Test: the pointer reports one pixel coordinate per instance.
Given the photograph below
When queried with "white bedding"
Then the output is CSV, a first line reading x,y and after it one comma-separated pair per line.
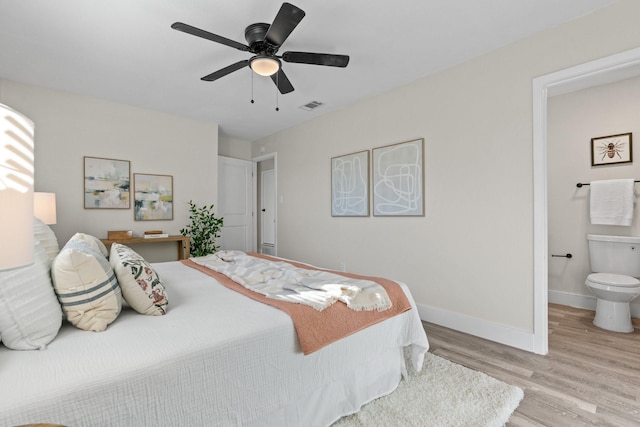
x,y
216,358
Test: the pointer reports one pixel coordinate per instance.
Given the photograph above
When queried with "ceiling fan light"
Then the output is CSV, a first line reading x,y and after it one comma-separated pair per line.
x,y
264,65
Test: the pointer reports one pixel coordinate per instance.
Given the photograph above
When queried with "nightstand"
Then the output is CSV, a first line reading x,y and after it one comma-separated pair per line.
x,y
182,241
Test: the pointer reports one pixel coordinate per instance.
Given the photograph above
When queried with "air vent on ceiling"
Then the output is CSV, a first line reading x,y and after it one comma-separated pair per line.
x,y
311,105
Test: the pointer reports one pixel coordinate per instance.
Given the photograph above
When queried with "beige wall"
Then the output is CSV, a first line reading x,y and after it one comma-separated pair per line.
x,y
574,119
471,256
69,127
234,147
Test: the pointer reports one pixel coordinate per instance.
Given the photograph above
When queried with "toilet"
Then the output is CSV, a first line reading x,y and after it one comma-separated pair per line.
x,y
615,263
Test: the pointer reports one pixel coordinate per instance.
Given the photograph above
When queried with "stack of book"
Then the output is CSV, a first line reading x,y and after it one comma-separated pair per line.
x,y
154,234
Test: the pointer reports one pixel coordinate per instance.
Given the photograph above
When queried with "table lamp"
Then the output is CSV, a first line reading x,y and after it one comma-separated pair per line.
x,y
44,207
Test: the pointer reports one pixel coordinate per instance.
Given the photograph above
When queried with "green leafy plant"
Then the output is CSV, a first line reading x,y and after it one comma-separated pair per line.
x,y
203,230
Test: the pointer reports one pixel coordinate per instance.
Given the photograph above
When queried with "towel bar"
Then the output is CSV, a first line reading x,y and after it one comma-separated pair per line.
x,y
580,184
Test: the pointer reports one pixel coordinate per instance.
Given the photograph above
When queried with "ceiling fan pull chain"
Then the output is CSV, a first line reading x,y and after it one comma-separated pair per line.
x,y
277,90
252,101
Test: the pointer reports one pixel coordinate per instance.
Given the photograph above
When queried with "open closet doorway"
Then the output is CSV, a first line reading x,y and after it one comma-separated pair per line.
x,y
267,204
602,71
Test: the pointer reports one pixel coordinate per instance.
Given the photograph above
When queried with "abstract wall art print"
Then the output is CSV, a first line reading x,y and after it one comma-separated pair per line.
x,y
106,183
398,178
350,184
153,197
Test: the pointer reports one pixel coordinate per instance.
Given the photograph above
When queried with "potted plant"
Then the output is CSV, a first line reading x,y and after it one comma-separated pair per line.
x,y
203,230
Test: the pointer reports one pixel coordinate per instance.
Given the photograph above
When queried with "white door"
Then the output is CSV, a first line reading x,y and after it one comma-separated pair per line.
x,y
268,205
236,196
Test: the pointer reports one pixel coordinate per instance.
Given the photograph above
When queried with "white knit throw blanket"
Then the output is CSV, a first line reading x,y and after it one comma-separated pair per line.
x,y
283,281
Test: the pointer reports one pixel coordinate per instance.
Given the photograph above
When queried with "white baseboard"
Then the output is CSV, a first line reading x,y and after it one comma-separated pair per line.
x,y
504,334
478,327
587,302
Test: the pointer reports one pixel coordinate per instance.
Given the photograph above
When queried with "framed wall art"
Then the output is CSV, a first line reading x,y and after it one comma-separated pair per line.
x,y
398,178
350,184
613,149
153,197
107,183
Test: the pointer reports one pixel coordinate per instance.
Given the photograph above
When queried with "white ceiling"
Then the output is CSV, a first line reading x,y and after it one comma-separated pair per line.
x,y
125,50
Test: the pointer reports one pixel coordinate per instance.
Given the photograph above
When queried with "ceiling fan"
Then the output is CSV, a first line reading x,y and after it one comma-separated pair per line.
x,y
264,40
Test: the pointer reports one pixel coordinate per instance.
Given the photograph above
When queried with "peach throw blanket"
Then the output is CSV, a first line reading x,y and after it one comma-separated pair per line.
x,y
317,329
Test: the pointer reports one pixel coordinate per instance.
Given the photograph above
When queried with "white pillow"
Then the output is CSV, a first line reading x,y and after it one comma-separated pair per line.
x,y
30,314
140,284
93,242
86,286
47,238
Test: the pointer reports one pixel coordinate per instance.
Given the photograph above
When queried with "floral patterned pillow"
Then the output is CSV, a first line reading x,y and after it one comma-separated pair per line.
x,y
140,284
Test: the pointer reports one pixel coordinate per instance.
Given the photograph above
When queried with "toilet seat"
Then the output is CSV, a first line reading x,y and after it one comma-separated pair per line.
x,y
611,279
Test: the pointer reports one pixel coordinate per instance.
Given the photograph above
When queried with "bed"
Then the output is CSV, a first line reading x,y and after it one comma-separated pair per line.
x,y
216,358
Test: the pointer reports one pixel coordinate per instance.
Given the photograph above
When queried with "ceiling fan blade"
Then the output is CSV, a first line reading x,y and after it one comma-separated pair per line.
x,y
186,28
316,58
288,17
226,70
282,82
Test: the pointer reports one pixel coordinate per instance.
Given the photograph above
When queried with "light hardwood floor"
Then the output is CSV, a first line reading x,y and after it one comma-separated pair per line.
x,y
590,377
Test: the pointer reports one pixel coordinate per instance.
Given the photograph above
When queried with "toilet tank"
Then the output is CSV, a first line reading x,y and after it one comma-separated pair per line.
x,y
614,254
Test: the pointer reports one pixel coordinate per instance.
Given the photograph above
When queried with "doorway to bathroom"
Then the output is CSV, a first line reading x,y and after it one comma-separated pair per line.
x,y
607,70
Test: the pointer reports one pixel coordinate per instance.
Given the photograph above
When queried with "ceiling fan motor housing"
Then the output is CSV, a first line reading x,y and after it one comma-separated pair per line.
x,y
255,36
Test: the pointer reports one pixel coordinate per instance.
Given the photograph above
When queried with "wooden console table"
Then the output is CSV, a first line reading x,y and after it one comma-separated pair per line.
x,y
182,241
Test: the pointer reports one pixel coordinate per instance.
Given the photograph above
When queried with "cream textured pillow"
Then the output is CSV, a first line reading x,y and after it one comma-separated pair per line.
x,y
86,286
47,238
30,314
141,286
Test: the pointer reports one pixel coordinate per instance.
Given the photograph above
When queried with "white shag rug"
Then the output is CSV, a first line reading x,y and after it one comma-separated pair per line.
x,y
442,394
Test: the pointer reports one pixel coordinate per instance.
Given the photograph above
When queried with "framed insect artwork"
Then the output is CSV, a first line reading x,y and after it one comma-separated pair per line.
x,y
613,149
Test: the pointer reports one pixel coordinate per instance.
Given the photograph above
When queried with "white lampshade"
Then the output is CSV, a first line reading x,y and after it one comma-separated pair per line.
x,y
16,189
44,207
264,65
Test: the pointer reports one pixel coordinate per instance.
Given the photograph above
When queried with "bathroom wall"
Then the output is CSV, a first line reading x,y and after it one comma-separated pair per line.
x,y
573,119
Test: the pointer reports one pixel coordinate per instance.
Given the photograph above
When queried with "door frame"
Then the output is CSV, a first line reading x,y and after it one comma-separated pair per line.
x,y
263,173
257,159
594,73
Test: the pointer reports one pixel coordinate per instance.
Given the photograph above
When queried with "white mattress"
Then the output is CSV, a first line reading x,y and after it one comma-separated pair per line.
x,y
216,358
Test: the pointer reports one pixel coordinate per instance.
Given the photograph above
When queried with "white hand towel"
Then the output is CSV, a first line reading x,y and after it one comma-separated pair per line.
x,y
612,202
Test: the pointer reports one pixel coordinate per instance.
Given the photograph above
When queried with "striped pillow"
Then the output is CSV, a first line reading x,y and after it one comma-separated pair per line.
x,y
93,242
86,286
